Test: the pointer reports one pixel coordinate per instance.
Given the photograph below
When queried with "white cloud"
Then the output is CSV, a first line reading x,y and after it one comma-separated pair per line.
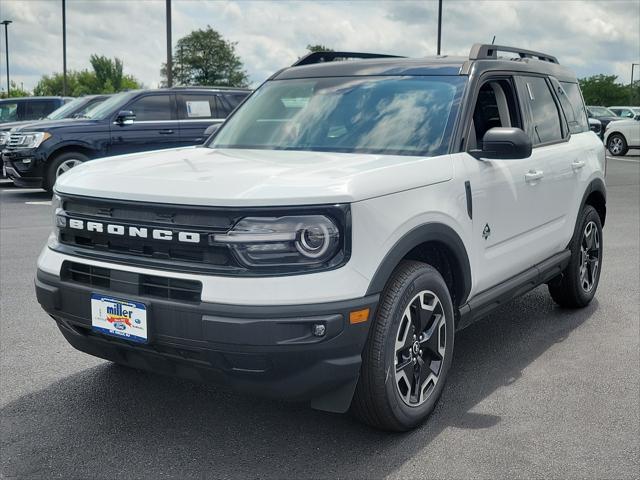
x,y
590,37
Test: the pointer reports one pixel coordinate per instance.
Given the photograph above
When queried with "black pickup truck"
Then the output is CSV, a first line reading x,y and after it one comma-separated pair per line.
x,y
36,154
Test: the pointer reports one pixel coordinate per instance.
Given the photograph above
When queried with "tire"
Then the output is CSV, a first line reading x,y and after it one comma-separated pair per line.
x,y
70,159
385,396
577,285
617,144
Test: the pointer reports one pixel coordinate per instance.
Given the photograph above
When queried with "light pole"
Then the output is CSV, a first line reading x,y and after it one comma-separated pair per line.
x,y
169,59
631,85
64,48
6,46
439,24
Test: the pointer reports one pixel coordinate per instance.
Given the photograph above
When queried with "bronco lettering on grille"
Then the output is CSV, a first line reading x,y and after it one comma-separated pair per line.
x,y
129,231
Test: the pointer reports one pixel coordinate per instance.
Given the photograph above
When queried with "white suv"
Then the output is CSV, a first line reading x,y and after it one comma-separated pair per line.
x,y
327,242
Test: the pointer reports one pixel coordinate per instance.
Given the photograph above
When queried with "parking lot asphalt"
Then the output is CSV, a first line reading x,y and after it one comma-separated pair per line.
x,y
535,390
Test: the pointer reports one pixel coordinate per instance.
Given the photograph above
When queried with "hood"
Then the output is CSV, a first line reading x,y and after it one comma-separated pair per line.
x,y
627,122
234,177
55,124
4,127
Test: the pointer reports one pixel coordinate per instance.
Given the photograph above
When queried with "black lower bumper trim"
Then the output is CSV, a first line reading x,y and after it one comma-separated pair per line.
x,y
266,350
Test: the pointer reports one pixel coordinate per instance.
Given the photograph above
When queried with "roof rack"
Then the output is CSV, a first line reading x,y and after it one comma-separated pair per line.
x,y
320,57
481,51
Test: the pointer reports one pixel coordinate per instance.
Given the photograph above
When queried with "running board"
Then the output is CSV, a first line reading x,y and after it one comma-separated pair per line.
x,y
481,304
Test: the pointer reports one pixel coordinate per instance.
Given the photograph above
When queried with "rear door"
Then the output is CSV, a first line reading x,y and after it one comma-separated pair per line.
x,y
155,126
197,111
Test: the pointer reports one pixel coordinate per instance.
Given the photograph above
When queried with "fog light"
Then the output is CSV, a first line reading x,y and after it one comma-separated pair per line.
x,y
319,330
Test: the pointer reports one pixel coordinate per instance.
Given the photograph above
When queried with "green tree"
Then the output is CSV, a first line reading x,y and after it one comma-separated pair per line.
x,y
106,76
15,91
605,90
319,48
204,57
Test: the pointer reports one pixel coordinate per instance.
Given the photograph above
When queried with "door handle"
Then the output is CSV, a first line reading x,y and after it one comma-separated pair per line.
x,y
165,132
577,164
533,175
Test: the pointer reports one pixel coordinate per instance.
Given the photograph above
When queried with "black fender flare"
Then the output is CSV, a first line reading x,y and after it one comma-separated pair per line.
x,y
428,232
596,185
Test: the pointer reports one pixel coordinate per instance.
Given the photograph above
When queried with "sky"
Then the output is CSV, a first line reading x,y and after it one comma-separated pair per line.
x,y
591,37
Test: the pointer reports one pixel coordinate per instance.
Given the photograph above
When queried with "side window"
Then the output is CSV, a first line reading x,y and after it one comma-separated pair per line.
x,y
152,108
198,106
569,111
36,110
8,111
234,99
572,91
223,109
545,119
496,106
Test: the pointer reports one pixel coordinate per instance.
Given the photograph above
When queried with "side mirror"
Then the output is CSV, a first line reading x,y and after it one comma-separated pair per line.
x,y
211,129
125,117
504,143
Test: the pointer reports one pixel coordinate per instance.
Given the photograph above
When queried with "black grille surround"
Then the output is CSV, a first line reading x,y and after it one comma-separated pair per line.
x,y
204,257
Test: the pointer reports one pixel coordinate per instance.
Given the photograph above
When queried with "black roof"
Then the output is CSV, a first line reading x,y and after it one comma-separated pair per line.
x,y
482,58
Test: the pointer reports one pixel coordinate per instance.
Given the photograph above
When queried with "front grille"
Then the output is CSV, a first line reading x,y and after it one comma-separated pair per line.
x,y
201,256
132,283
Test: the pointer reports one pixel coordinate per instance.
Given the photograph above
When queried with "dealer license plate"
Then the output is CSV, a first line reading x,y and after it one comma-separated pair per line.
x,y
120,318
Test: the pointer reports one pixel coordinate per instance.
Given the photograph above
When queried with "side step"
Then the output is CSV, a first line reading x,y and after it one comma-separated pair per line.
x,y
481,304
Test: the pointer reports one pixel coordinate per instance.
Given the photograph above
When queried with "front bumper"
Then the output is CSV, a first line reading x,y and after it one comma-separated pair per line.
x,y
23,174
265,350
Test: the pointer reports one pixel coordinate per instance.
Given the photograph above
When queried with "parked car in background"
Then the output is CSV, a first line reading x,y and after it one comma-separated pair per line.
x,y
595,126
626,112
75,108
603,114
622,135
29,108
128,122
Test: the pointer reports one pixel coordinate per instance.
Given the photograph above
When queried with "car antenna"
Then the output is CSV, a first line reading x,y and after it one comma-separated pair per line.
x,y
494,40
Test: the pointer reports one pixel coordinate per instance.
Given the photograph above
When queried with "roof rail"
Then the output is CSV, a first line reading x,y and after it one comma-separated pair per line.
x,y
320,57
484,51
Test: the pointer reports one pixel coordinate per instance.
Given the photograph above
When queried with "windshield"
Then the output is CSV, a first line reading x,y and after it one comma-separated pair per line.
x,y
601,112
410,115
104,109
67,110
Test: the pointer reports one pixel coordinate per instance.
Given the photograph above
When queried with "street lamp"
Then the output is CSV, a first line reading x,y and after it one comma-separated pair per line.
x,y
6,46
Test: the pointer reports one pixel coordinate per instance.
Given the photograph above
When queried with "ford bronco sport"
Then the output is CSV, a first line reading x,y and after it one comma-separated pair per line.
x,y
328,240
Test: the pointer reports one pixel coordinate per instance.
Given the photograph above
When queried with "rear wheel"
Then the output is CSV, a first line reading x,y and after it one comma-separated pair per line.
x,y
579,281
60,165
617,144
408,353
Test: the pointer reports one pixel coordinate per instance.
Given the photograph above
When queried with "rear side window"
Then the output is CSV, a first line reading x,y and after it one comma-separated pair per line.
x,y
39,109
8,111
152,108
199,106
545,119
573,95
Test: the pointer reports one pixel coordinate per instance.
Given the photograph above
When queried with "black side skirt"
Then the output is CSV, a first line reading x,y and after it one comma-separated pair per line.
x,y
481,304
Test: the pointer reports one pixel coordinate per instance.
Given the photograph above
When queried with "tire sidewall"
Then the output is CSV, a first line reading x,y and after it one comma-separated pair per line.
x,y
427,279
50,179
624,145
589,214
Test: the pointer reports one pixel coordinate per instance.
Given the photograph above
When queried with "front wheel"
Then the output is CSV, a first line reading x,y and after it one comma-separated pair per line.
x,y
408,354
60,165
578,283
617,145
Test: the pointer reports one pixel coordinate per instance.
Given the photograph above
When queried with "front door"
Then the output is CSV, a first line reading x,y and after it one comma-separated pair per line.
x,y
155,126
513,212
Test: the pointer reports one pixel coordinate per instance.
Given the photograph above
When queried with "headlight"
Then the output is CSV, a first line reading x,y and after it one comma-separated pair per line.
x,y
305,241
30,139
58,221
4,138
